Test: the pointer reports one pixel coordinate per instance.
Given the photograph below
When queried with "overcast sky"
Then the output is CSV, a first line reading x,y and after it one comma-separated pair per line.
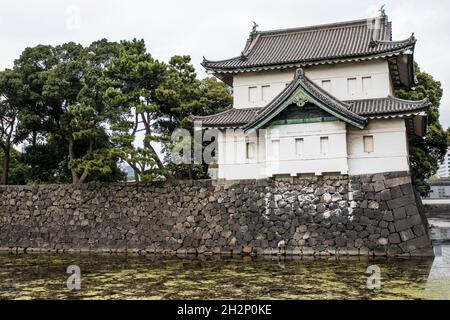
x,y
215,29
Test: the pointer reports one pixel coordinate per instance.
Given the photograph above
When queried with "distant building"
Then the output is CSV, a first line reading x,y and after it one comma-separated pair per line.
x,y
440,188
444,168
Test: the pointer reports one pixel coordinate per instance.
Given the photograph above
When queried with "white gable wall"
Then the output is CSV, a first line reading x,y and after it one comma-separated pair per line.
x,y
371,80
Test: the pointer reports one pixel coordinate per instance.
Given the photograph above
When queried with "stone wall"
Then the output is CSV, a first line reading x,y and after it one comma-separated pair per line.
x,y
358,215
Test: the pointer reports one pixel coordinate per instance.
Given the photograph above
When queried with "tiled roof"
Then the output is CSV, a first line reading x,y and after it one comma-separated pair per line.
x,y
356,110
387,106
344,41
231,118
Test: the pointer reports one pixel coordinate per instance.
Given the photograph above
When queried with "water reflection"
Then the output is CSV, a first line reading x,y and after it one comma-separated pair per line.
x,y
438,282
155,277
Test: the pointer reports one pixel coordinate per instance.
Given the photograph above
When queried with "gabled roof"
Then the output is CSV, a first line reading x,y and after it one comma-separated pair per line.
x,y
300,91
329,43
390,106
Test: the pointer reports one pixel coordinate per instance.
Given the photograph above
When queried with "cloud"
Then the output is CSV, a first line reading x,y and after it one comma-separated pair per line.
x,y
215,29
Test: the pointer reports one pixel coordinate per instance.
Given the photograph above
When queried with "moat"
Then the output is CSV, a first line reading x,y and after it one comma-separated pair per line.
x,y
39,276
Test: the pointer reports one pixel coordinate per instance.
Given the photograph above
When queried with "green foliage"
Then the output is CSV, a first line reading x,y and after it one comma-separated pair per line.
x,y
80,111
181,96
18,170
133,76
427,152
12,99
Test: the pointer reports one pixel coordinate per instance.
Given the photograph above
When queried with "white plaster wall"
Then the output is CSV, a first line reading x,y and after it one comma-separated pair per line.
x,y
233,163
277,79
390,147
377,70
232,156
337,74
311,160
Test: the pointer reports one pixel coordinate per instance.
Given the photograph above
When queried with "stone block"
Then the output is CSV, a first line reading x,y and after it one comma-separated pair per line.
x,y
394,238
401,202
394,182
364,251
396,192
385,195
412,210
378,186
247,250
410,222
378,177
388,216
394,250
419,230
406,235
399,213
407,189
415,244
380,252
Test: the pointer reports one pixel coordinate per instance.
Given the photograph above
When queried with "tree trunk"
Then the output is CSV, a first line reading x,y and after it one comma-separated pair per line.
x,y
137,172
34,139
75,178
148,145
159,163
83,177
190,171
6,160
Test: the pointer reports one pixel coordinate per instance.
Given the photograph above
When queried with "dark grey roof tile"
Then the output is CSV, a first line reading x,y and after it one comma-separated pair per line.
x,y
308,45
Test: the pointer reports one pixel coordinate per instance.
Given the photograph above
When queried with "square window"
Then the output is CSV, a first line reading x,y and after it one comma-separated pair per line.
x,y
366,85
299,146
252,94
265,93
351,87
324,145
275,149
368,144
326,85
250,150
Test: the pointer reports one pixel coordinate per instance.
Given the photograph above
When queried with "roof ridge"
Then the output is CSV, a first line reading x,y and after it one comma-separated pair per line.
x,y
222,60
410,39
424,100
331,25
228,109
